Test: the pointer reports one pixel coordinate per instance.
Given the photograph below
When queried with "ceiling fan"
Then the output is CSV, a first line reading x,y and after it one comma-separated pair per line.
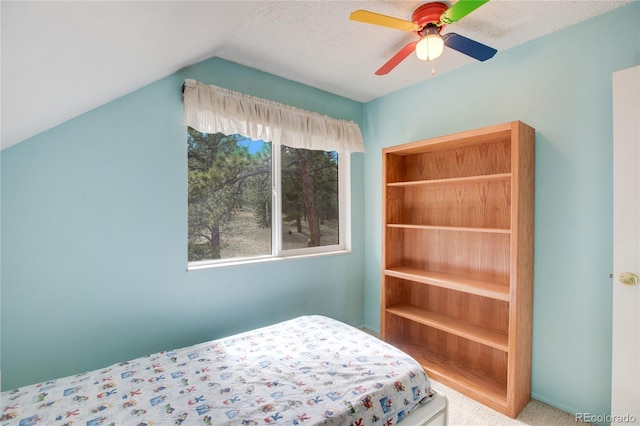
x,y
427,21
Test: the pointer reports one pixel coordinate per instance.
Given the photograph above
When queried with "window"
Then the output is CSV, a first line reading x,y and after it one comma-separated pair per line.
x,y
247,200
266,180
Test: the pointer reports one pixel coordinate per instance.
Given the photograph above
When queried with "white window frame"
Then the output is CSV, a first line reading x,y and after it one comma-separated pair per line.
x,y
344,212
277,252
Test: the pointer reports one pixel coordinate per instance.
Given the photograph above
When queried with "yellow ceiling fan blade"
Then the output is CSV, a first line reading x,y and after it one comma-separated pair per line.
x,y
383,20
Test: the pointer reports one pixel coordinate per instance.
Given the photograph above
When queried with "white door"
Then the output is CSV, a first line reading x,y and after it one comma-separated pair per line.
x,y
625,394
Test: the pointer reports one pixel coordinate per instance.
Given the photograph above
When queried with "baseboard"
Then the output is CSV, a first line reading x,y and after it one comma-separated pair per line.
x,y
371,331
556,404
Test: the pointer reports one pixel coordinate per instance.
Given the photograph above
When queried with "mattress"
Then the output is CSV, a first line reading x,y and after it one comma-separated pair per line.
x,y
311,370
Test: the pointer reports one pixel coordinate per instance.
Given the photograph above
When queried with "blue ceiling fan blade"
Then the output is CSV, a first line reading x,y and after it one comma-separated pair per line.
x,y
469,47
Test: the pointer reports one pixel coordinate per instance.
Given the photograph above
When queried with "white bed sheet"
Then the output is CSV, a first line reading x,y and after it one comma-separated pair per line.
x,y
311,370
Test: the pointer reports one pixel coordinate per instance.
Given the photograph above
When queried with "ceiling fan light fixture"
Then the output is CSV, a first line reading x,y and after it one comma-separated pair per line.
x,y
431,45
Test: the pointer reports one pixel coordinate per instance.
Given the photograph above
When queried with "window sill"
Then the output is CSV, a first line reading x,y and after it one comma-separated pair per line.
x,y
210,264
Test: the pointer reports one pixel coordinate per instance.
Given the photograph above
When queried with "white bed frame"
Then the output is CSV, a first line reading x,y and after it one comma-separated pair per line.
x,y
433,413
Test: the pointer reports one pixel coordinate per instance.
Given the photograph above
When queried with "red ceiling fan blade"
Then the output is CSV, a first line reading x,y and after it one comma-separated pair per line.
x,y
397,58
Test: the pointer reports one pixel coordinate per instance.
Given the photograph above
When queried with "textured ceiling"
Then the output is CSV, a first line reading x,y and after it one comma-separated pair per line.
x,y
105,49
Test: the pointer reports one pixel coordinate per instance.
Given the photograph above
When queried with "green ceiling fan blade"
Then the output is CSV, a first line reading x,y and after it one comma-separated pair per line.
x,y
459,10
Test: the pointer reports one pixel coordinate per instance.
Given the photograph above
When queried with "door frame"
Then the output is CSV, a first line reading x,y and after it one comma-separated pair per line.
x,y
625,356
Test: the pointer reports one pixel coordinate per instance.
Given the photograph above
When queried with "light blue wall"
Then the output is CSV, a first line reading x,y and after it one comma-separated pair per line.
x,y
94,216
94,248
560,85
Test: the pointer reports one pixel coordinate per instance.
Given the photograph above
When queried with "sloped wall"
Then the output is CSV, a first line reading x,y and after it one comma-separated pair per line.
x,y
94,238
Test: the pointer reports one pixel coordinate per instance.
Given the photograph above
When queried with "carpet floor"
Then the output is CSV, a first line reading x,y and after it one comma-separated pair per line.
x,y
466,411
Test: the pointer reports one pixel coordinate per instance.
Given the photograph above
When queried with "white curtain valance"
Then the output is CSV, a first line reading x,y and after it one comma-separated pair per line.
x,y
212,109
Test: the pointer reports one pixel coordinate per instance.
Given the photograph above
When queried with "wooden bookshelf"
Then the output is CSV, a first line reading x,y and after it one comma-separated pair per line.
x,y
457,275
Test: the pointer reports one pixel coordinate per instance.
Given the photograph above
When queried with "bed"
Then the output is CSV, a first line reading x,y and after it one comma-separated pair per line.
x,y
311,370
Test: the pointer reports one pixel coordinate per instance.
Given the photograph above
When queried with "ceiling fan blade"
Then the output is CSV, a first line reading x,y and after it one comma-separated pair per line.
x,y
459,10
397,58
469,47
383,20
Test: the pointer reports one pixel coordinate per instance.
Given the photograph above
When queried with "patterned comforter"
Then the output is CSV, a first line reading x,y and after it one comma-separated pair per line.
x,y
311,370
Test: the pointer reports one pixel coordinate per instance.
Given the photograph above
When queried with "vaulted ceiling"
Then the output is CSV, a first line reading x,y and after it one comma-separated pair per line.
x,y
60,59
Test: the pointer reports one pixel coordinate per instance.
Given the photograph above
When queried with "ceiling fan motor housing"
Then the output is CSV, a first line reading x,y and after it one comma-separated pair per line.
x,y
429,13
